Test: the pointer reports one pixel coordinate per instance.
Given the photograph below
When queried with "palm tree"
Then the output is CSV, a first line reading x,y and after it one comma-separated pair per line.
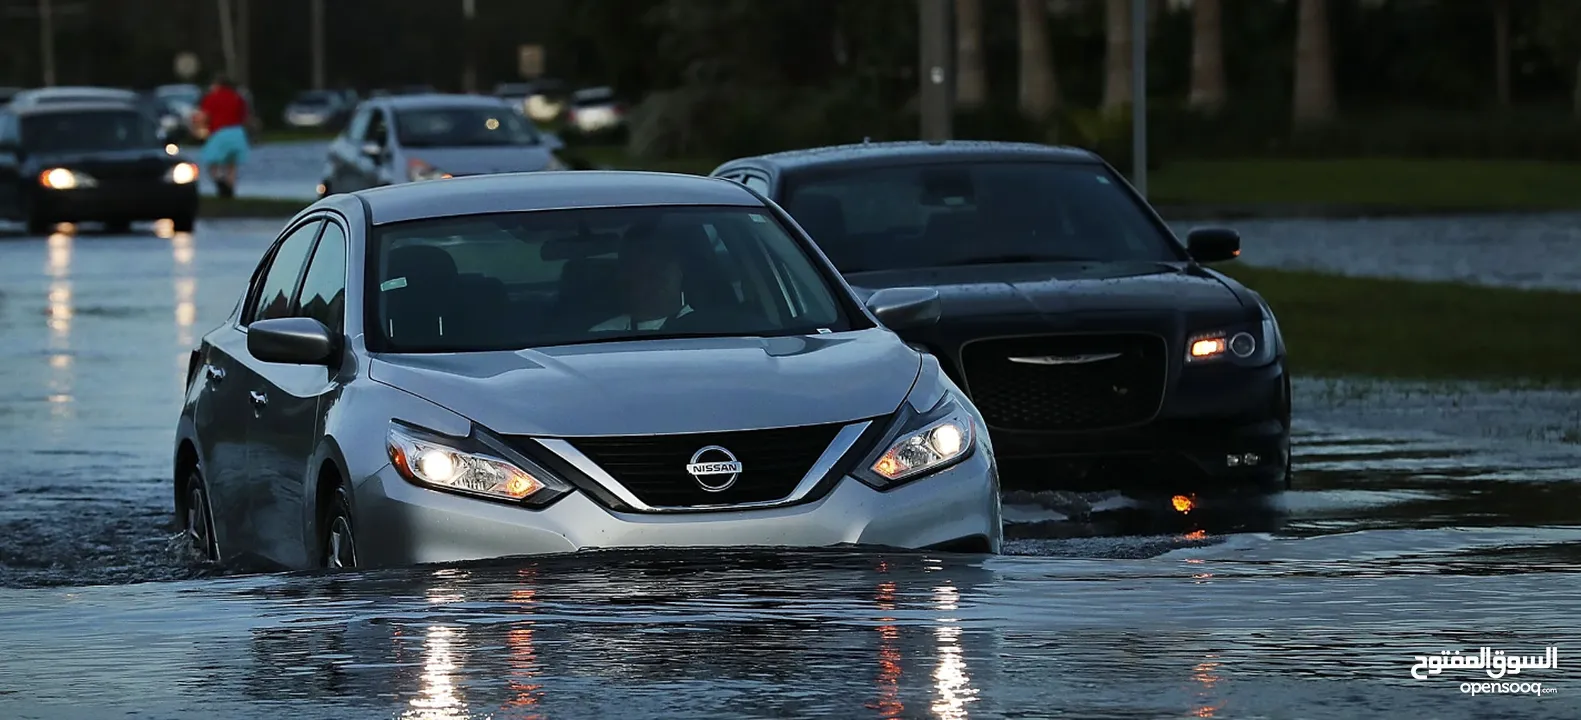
x,y
971,78
1314,81
1117,55
1039,91
1207,56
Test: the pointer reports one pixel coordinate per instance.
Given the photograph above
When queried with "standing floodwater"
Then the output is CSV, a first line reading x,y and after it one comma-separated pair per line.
x,y
1397,544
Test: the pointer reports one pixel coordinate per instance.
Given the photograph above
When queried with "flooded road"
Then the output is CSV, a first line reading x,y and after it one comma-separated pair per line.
x,y
1410,533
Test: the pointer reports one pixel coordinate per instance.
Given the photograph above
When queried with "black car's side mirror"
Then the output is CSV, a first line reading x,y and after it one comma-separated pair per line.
x,y
292,340
905,308
1211,245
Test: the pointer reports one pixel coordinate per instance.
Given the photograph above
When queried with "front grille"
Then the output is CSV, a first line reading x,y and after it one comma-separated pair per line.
x,y
653,467
1114,392
127,172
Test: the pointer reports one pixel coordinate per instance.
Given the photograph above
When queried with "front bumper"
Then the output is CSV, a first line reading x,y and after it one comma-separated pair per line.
x,y
1205,418
398,523
140,201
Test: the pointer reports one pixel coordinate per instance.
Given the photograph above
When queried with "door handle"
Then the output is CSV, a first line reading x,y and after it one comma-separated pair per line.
x,y
260,400
215,374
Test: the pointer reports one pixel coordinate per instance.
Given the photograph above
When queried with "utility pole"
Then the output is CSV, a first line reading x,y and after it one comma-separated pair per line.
x,y
244,46
936,68
469,78
46,41
228,39
317,24
1139,95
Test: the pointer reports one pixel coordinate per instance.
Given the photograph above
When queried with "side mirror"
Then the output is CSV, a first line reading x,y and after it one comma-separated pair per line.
x,y
10,147
1211,245
905,308
293,340
372,149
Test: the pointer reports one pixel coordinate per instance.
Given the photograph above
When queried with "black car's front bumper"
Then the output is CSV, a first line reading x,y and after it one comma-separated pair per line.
x,y
118,202
1220,431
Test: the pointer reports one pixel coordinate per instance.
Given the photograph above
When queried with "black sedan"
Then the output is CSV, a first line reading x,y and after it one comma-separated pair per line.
x,y
1101,350
91,162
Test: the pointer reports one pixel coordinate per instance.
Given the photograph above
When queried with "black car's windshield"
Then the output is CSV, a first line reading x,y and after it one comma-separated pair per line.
x,y
105,130
521,280
463,127
964,213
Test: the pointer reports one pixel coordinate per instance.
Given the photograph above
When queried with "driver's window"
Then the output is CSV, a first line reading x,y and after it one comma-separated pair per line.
x,y
376,129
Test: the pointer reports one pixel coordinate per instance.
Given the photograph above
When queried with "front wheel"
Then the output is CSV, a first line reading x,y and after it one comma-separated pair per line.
x,y
339,546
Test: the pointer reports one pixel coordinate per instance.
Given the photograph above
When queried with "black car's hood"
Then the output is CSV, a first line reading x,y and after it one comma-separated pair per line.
x,y
118,164
73,157
1058,288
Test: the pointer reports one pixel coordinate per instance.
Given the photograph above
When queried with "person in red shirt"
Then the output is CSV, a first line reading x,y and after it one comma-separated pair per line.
x,y
224,112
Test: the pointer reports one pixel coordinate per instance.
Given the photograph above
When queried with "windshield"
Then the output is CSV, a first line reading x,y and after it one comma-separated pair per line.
x,y
317,98
88,132
961,213
520,280
463,127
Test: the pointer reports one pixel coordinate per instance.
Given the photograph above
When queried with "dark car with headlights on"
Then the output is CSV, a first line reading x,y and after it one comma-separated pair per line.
x,y
1103,352
407,138
91,162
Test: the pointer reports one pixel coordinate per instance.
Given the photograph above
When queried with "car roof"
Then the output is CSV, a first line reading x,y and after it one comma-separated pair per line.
x,y
61,108
440,100
78,90
533,191
885,153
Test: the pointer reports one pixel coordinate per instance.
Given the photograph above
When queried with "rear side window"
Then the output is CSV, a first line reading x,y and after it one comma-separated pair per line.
x,y
273,299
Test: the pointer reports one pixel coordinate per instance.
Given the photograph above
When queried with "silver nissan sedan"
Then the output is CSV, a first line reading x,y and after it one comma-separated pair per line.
x,y
550,362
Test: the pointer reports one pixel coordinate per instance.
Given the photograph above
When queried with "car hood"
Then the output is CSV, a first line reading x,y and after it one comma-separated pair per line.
x,y
484,160
665,386
1058,288
135,162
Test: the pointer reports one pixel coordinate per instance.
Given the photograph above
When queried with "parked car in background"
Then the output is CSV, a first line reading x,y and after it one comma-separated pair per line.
x,y
317,110
1101,350
73,94
595,110
448,371
402,139
91,162
543,100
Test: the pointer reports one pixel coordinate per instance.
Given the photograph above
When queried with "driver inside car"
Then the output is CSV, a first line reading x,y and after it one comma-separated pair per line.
x,y
651,275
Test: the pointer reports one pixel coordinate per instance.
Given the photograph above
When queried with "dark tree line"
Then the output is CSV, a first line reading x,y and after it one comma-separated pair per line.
x,y
1470,77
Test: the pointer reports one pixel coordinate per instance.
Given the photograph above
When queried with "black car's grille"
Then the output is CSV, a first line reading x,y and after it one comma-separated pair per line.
x,y
1052,390
653,467
121,172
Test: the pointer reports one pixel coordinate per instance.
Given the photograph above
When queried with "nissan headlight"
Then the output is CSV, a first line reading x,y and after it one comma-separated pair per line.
x,y
476,466
182,173
66,179
418,170
922,443
1252,345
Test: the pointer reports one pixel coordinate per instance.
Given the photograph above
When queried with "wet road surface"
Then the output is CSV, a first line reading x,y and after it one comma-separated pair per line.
x,y
1401,540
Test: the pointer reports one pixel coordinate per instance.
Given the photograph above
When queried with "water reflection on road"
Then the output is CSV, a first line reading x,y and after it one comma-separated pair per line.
x,y
1397,543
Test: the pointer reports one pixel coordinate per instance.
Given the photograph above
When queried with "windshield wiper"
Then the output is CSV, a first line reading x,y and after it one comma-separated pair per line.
x,y
1015,258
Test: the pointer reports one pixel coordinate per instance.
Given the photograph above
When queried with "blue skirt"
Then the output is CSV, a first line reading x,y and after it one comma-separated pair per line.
x,y
226,147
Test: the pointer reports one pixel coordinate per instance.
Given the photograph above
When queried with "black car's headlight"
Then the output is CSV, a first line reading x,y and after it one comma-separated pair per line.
x,y
477,465
183,173
921,444
1250,344
66,179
